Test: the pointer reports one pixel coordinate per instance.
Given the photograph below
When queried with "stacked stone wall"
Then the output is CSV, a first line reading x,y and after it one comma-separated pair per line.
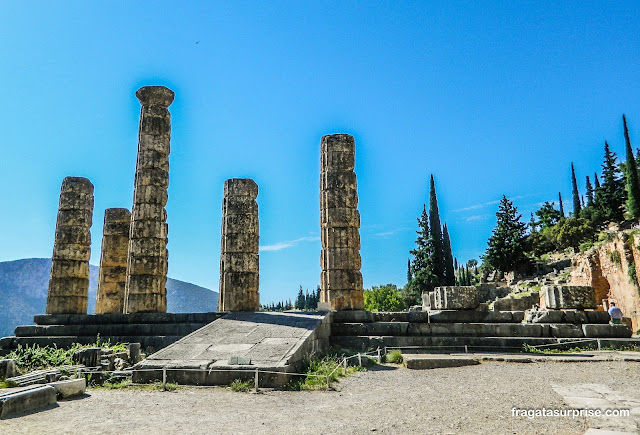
x,y
69,279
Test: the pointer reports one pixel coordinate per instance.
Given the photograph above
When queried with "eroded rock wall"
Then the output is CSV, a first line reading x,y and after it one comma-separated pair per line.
x,y
610,268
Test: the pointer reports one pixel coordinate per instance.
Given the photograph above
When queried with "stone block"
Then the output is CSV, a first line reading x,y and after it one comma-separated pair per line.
x,y
341,238
456,298
597,317
566,331
337,142
533,316
568,297
241,280
155,175
339,181
247,221
240,242
146,302
144,211
244,261
139,284
72,235
152,159
150,194
26,399
606,331
147,265
75,217
427,298
239,205
336,198
241,187
69,269
343,279
69,388
342,217
72,252
8,368
340,259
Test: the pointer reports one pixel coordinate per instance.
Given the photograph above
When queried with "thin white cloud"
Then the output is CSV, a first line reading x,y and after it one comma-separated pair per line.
x,y
390,233
284,245
479,217
486,204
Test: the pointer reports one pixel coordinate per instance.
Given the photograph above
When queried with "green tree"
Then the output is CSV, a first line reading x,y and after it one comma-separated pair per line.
x,y
436,235
548,216
561,207
507,243
448,257
632,182
575,193
409,275
589,193
610,196
570,233
300,300
422,266
383,298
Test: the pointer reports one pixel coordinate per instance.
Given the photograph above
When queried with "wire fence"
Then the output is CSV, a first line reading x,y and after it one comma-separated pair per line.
x,y
81,370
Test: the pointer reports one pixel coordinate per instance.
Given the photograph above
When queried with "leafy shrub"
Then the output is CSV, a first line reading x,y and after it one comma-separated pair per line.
x,y
394,356
323,366
383,298
240,386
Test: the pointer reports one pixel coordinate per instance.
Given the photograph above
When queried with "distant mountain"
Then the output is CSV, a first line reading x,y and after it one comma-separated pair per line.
x,y
24,284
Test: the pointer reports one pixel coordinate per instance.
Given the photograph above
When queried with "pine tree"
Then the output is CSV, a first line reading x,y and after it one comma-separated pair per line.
x,y
300,300
436,235
633,184
448,257
576,195
611,195
589,193
422,266
561,206
409,275
596,183
507,243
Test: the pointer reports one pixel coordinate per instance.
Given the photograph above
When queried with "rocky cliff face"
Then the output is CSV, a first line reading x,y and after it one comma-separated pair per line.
x,y
610,267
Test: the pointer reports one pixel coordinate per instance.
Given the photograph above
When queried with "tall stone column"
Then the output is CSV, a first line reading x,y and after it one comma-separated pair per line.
x,y
113,261
239,260
340,225
148,256
69,280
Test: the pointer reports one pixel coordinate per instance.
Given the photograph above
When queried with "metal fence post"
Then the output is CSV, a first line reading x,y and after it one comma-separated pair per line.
x,y
344,366
379,356
359,359
328,381
255,382
164,378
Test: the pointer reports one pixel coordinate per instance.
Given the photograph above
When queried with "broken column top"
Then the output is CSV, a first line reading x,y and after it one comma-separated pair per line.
x,y
155,96
338,142
241,187
117,214
76,183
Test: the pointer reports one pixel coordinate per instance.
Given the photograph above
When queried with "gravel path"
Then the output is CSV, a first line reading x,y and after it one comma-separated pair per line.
x,y
468,400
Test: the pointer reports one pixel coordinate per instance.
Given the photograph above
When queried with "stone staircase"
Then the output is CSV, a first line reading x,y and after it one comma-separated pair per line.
x,y
153,331
475,331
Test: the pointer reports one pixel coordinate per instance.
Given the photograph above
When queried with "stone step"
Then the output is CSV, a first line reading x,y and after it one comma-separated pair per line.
x,y
136,318
481,330
421,362
122,329
19,400
479,344
449,316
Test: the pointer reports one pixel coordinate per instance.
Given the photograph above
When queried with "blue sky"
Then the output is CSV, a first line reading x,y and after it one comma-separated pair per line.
x,y
491,97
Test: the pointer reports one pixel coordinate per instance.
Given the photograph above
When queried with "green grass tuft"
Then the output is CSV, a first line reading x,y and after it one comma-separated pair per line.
x,y
241,386
394,357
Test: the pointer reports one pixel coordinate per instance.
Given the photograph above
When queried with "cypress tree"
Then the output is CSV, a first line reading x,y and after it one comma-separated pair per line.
x,y
576,195
409,274
422,266
561,206
611,196
596,183
448,257
436,235
633,184
589,193
455,264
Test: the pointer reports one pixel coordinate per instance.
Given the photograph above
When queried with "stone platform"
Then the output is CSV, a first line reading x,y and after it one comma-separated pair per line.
x,y
153,331
234,346
485,331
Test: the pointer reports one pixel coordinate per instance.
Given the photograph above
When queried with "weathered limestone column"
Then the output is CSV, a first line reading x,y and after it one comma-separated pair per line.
x,y
69,281
340,225
113,261
148,256
239,260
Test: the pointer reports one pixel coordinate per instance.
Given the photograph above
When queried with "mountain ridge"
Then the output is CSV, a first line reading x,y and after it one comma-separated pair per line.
x,y
24,285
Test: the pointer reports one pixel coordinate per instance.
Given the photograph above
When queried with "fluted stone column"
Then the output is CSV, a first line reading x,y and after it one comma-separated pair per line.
x,y
69,281
340,225
148,256
113,261
239,261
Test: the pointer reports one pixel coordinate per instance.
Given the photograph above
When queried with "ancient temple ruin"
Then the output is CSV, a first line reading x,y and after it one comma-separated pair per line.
x,y
113,261
340,224
69,281
239,260
147,261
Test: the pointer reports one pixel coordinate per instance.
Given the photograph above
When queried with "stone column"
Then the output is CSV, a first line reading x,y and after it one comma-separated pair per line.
x,y
113,261
148,256
239,261
69,281
340,225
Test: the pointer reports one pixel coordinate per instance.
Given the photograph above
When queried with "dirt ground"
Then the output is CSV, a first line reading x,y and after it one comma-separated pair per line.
x,y
386,400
